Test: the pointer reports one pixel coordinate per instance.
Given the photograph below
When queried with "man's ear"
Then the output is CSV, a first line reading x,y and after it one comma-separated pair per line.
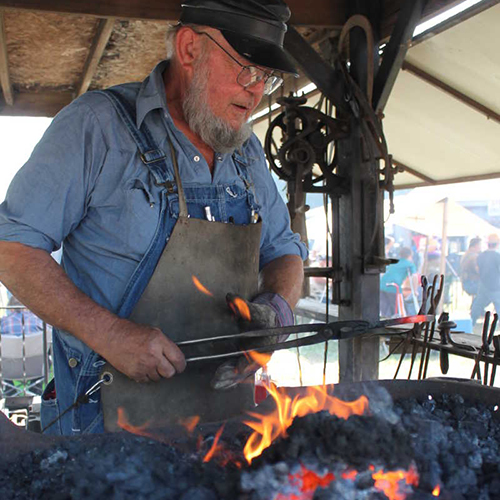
x,y
188,45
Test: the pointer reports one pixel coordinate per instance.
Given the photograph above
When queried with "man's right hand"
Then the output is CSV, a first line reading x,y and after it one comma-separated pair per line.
x,y
142,353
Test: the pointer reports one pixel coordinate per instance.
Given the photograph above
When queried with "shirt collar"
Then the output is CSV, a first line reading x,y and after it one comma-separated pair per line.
x,y
152,93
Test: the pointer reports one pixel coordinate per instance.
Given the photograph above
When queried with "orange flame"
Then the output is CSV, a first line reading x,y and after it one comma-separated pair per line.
x,y
389,482
436,491
308,482
240,307
269,427
200,287
261,358
190,423
214,447
124,424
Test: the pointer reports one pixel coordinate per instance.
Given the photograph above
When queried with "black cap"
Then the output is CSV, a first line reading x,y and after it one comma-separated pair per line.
x,y
254,28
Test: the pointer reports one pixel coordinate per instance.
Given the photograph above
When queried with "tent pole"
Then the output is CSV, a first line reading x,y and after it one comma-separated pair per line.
x,y
444,245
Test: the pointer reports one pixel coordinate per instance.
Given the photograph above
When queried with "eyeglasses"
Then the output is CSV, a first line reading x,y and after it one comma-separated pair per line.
x,y
251,75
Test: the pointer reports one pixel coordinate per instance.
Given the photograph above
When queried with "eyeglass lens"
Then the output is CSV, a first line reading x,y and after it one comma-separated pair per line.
x,y
251,75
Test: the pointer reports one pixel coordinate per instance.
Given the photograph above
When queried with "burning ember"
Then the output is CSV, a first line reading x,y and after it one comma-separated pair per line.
x,y
390,482
190,423
267,428
200,287
419,447
306,482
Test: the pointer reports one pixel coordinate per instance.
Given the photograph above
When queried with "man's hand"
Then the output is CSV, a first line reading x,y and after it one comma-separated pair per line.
x,y
267,310
143,353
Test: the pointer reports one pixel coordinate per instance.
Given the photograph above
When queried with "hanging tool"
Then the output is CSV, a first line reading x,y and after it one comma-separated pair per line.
x,y
487,337
496,359
416,330
444,328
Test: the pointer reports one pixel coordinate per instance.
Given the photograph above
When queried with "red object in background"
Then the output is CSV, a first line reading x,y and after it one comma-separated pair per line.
x,y
261,382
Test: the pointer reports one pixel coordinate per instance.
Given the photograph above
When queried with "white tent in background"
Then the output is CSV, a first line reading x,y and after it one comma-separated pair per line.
x,y
428,220
317,230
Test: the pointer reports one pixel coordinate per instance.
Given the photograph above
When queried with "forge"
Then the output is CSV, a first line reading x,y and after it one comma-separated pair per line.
x,y
412,440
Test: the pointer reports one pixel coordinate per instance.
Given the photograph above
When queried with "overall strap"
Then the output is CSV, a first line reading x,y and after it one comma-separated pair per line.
x,y
151,155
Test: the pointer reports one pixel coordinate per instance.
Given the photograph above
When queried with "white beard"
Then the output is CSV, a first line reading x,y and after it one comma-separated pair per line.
x,y
212,130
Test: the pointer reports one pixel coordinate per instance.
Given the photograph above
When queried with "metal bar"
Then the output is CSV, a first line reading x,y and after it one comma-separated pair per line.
x,y
395,52
414,172
44,103
319,272
45,355
103,33
453,21
1,378
5,82
435,82
24,352
454,180
313,12
328,80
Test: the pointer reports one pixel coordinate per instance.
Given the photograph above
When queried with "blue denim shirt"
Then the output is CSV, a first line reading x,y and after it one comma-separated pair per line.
x,y
86,187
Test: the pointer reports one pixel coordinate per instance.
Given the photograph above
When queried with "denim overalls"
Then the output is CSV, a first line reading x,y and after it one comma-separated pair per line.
x,y
223,256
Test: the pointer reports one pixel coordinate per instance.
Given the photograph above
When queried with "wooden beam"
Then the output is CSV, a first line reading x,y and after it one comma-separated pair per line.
x,y
395,52
5,82
37,104
412,171
435,82
328,79
104,30
452,180
311,13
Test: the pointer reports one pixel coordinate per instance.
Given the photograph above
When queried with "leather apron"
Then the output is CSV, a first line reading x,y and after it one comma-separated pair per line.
x,y
223,258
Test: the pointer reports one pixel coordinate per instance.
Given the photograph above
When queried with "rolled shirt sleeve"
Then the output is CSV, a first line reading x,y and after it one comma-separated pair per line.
x,y
48,197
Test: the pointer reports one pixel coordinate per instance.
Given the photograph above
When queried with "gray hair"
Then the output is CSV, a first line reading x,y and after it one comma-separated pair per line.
x,y
171,35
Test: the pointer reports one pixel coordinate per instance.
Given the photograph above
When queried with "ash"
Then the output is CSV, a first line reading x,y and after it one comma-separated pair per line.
x,y
449,442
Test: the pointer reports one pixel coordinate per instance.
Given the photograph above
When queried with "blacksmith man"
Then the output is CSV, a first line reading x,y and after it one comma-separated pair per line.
x,y
147,186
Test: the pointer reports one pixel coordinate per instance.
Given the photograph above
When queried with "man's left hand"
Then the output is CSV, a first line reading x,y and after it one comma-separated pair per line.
x,y
267,310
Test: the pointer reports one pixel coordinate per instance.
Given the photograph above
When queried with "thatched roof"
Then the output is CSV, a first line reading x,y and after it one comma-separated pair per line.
x,y
53,50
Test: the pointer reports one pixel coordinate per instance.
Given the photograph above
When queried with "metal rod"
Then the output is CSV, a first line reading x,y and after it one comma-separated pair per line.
x,y
45,355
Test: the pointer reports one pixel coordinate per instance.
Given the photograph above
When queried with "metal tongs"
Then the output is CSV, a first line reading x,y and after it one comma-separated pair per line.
x,y
339,330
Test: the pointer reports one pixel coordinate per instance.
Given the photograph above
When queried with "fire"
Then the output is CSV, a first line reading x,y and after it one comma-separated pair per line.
x,y
269,427
261,358
190,423
124,424
240,308
214,447
436,491
389,482
307,482
200,287
350,474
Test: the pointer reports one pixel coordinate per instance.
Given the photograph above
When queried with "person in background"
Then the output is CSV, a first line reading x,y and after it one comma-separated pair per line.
x,y
19,319
392,281
488,263
469,272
